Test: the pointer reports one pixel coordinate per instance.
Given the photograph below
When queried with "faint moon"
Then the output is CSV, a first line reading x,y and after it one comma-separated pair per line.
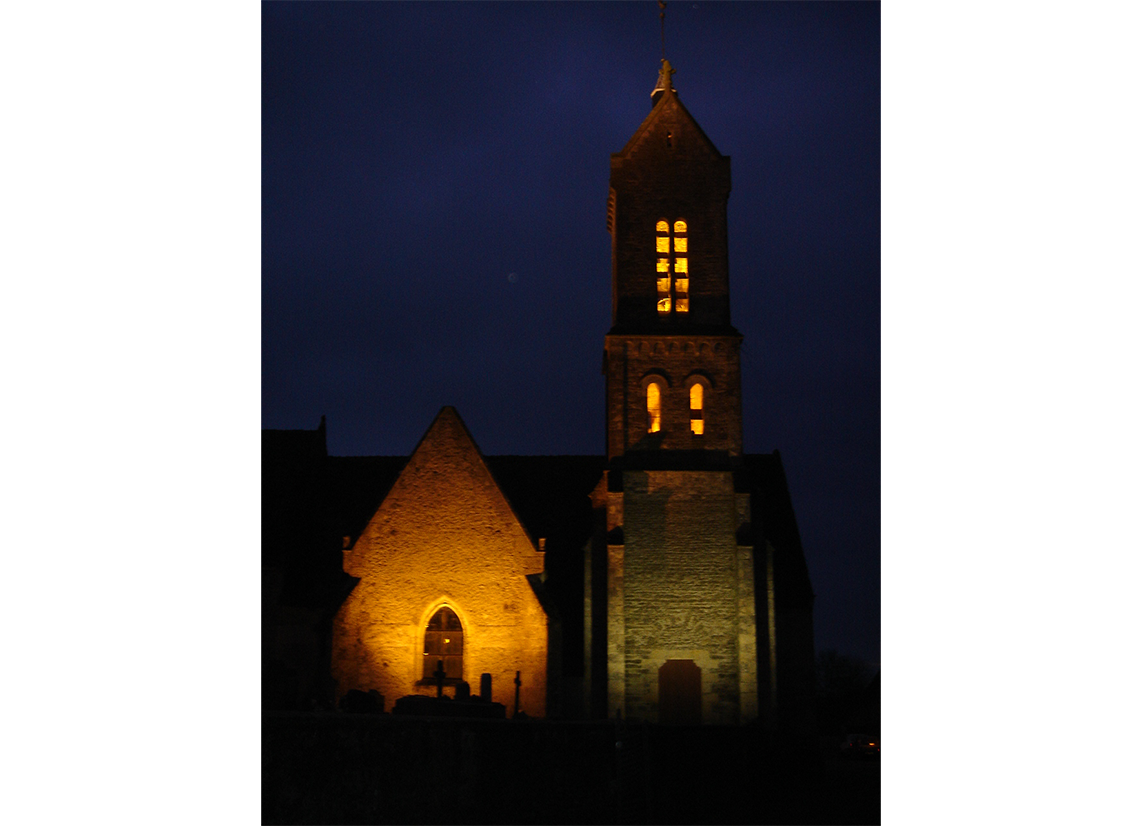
x,y
512,277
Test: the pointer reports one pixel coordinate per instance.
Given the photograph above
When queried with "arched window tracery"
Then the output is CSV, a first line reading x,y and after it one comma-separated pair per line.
x,y
672,270
444,642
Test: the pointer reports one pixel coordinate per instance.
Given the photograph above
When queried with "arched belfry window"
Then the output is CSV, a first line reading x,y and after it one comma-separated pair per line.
x,y
662,246
653,407
444,641
673,267
697,409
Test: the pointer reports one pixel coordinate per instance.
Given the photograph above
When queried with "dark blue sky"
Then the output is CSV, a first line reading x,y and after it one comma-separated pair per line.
x,y
434,184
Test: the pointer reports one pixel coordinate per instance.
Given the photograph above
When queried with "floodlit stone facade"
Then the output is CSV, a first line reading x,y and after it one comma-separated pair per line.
x,y
662,581
444,536
681,588
676,362
680,608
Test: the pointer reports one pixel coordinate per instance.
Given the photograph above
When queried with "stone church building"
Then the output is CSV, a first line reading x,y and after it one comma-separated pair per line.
x,y
663,581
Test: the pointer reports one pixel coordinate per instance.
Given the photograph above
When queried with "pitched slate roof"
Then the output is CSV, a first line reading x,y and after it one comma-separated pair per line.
x,y
312,500
668,102
773,521
549,494
356,487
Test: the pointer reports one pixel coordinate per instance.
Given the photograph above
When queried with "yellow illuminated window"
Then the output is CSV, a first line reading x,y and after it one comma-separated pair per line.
x,y
444,643
673,288
653,407
697,423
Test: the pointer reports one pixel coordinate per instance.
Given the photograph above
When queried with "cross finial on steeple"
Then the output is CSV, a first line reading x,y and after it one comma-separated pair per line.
x,y
664,81
662,20
665,73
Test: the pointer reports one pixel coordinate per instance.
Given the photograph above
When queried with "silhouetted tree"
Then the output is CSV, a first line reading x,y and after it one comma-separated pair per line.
x,y
841,685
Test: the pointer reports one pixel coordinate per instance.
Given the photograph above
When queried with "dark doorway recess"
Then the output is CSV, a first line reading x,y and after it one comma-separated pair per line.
x,y
680,693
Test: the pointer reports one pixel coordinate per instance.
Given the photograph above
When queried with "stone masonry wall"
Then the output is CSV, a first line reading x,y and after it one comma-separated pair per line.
x,y
670,170
444,535
681,587
631,359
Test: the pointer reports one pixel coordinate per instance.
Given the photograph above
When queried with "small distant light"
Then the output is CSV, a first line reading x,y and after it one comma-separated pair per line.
x,y
447,640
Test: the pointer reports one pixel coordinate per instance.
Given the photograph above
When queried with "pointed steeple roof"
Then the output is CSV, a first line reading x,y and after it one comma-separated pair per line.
x,y
668,170
664,82
666,106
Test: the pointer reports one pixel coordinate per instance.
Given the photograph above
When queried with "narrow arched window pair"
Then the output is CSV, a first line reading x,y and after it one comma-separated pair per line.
x,y
673,267
653,407
444,643
697,408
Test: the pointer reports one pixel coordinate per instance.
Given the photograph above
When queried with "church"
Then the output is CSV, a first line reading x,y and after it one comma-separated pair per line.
x,y
662,580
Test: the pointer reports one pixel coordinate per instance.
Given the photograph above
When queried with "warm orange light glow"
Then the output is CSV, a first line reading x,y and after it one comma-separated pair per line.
x,y
653,407
448,649
680,301
697,423
459,546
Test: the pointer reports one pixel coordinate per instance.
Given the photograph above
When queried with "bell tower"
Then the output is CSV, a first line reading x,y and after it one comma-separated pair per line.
x,y
675,592
672,361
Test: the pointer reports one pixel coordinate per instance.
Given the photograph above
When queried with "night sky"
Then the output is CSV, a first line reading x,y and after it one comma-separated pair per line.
x,y
434,186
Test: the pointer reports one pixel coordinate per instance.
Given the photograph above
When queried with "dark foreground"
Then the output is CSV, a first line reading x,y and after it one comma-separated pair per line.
x,y
341,768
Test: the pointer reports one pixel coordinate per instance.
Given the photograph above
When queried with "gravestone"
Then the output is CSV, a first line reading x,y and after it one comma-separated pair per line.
x,y
438,675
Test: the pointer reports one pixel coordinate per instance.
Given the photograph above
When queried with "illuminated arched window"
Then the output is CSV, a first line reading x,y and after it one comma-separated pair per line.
x,y
653,407
673,267
444,641
697,420
662,247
